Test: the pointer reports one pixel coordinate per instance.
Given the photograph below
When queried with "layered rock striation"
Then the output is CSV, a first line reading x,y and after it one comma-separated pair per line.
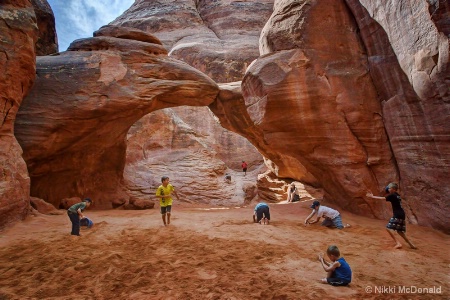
x,y
74,123
19,33
343,95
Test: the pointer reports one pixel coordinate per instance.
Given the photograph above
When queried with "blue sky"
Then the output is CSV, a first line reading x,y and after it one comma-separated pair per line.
x,y
76,19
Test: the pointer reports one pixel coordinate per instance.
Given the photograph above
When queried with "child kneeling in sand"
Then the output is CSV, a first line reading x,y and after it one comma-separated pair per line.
x,y
338,271
261,213
332,216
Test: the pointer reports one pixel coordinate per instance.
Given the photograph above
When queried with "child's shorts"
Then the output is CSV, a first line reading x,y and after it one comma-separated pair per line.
x,y
397,224
261,212
166,209
337,281
336,222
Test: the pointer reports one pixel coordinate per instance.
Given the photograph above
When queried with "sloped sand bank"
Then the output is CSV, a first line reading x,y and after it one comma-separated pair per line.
x,y
215,254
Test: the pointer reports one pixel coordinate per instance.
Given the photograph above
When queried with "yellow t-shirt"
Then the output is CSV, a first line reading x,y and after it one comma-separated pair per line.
x,y
165,191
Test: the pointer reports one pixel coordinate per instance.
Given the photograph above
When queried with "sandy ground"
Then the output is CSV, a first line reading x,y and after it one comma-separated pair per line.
x,y
215,254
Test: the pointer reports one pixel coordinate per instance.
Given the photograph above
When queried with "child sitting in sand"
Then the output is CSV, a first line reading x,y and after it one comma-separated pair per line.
x,y
338,271
332,216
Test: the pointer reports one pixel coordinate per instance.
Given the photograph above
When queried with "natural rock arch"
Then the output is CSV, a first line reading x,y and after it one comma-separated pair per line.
x,y
73,125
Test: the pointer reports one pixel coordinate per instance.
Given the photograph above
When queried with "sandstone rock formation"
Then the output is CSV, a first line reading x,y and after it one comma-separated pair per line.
x,y
349,102
408,52
312,96
47,42
74,123
219,38
174,143
44,207
18,31
345,95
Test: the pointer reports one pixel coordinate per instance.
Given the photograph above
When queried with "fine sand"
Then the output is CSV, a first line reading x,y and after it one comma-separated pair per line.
x,y
210,253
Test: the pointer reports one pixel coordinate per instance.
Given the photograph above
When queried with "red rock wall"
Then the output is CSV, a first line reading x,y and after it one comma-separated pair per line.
x,y
345,95
366,103
312,96
408,52
174,143
18,32
219,38
47,42
74,123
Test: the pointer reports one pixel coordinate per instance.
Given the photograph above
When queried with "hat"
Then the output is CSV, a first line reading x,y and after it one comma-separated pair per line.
x,y
87,200
315,203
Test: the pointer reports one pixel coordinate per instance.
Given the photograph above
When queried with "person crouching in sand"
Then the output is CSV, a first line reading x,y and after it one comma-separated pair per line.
x,y
261,213
338,270
397,222
75,213
332,216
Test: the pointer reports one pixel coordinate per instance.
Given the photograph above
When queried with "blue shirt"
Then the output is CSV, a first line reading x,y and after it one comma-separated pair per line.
x,y
262,204
343,272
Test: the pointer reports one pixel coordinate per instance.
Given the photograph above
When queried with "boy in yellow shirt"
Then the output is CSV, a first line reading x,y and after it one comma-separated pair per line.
x,y
164,193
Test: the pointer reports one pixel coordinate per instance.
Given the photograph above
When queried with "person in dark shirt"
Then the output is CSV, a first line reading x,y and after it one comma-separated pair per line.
x,y
397,222
338,270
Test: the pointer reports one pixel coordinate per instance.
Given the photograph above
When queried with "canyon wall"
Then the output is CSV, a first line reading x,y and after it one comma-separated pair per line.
x,y
346,96
19,34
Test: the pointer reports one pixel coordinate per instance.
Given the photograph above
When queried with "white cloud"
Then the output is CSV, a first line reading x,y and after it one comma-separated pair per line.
x,y
77,19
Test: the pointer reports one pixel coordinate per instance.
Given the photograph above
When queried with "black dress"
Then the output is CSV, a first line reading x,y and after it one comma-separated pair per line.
x,y
397,222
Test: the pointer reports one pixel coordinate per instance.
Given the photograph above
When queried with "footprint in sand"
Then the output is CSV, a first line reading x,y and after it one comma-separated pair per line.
x,y
204,274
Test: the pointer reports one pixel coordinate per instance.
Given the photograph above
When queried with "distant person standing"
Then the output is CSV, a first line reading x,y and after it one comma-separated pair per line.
x,y
75,213
244,167
164,193
397,222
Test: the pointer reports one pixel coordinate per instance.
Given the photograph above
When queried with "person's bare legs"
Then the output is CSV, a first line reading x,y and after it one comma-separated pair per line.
x,y
168,218
403,235
324,280
164,219
391,233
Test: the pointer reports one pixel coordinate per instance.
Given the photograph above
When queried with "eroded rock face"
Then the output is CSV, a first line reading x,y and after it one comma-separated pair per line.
x,y
192,151
312,97
347,96
219,38
47,42
315,69
409,63
74,123
18,30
